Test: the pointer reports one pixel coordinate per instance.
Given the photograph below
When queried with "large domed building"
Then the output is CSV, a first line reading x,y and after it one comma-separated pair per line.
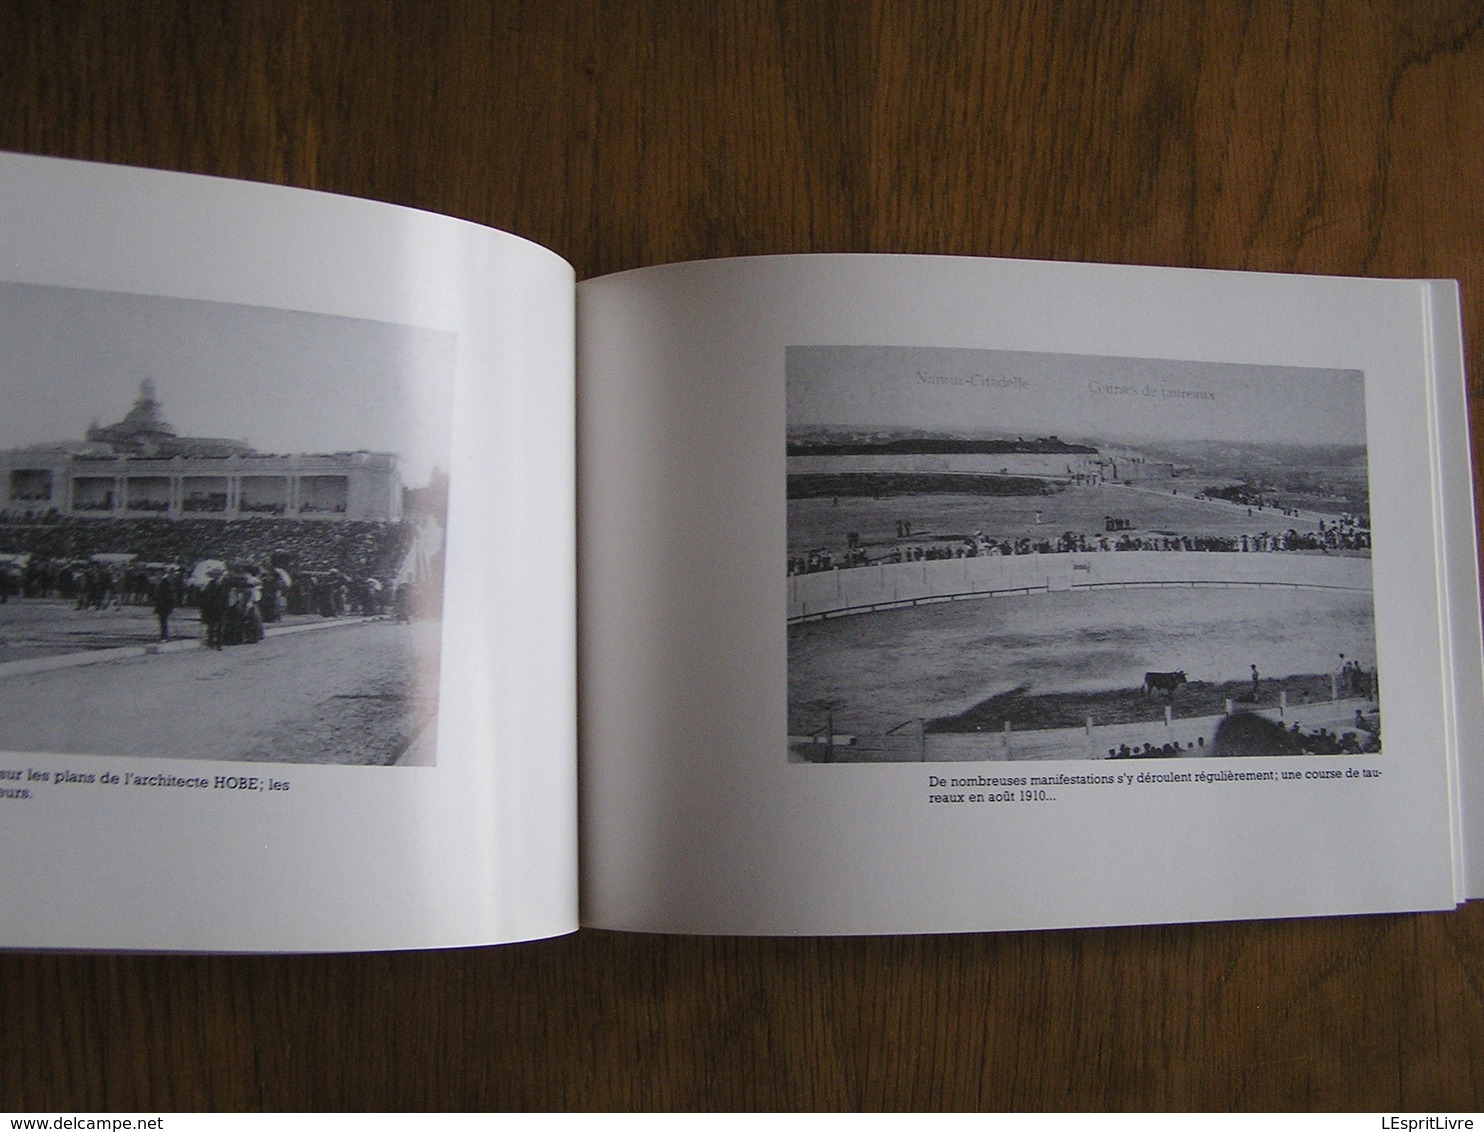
x,y
140,467
144,432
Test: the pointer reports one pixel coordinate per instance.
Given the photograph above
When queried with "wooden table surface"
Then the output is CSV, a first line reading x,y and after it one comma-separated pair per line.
x,y
1343,138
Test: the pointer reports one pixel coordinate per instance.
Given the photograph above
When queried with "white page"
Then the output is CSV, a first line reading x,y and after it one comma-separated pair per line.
x,y
344,325
694,819
1460,569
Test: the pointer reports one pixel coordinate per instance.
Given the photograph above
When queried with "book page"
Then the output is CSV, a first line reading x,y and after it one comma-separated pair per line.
x,y
931,594
1459,566
281,665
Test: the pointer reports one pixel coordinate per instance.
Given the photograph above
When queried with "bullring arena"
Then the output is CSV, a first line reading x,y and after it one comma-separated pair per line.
x,y
989,606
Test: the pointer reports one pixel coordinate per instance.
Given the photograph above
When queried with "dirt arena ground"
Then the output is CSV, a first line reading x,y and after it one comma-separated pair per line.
x,y
346,691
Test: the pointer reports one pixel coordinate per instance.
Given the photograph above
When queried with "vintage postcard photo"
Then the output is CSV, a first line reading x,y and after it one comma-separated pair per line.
x,y
1015,556
221,530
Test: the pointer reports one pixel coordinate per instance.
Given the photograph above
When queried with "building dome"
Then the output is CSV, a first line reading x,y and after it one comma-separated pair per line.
x,y
144,431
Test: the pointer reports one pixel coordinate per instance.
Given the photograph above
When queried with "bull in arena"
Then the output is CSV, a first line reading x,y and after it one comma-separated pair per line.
x,y
1163,682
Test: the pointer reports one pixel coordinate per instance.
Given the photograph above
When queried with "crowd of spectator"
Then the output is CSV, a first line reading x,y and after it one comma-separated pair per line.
x,y
1295,740
1163,751
1344,534
326,568
355,546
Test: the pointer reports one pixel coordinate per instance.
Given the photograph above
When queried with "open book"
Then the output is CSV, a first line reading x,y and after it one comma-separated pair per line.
x,y
371,584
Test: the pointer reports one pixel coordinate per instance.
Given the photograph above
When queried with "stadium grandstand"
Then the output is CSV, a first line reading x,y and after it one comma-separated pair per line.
x,y
137,499
140,467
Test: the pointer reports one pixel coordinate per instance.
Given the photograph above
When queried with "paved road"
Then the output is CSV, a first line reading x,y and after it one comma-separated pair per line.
x,y
362,694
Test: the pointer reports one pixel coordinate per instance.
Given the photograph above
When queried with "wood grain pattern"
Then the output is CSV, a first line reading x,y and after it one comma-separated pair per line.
x,y
1341,138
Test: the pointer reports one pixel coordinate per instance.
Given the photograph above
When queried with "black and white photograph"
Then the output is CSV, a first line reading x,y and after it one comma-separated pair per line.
x,y
996,555
221,530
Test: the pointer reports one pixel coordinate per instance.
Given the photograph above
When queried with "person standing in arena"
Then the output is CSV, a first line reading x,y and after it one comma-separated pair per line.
x,y
165,602
213,610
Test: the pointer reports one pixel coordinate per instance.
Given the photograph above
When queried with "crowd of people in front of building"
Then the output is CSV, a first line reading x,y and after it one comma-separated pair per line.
x,y
356,547
236,576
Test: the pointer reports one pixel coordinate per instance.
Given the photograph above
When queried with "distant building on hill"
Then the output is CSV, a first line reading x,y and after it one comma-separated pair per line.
x,y
140,468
